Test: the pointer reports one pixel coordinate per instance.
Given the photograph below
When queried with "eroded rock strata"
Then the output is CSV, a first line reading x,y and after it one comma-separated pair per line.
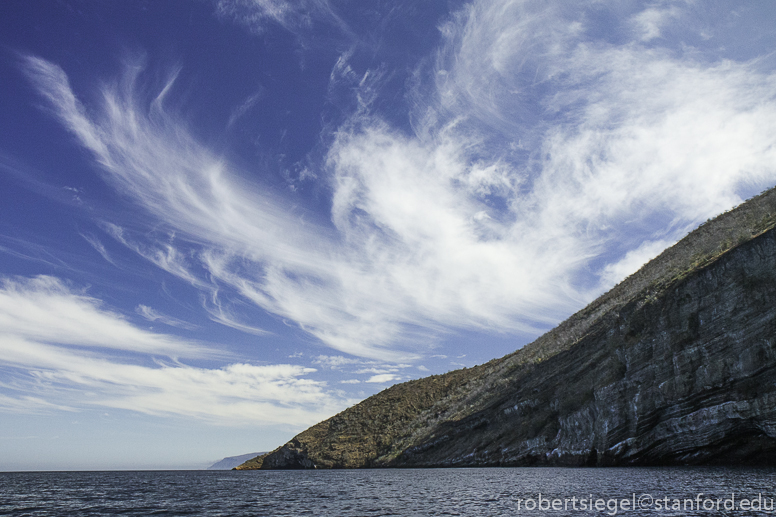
x,y
675,365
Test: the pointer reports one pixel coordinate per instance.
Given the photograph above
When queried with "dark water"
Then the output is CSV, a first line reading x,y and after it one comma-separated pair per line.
x,y
467,492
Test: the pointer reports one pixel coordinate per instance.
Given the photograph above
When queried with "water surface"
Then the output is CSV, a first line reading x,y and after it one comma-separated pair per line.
x,y
395,492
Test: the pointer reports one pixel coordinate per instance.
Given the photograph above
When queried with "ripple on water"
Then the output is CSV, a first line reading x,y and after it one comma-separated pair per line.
x,y
389,492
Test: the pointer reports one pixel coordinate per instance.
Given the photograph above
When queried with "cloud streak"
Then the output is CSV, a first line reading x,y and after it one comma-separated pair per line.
x,y
295,17
99,247
152,314
43,309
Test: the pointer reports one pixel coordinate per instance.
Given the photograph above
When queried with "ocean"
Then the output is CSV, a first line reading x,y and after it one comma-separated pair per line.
x,y
395,492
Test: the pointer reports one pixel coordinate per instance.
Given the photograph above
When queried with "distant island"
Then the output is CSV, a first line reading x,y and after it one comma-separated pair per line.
x,y
676,365
231,462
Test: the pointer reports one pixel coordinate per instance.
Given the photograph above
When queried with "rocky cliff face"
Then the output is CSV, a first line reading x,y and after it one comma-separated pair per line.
x,y
675,365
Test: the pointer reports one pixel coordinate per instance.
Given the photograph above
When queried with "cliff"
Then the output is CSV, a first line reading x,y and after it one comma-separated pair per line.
x,y
674,365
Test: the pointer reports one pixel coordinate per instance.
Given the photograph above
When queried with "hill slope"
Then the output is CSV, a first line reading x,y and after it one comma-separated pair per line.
x,y
230,462
674,365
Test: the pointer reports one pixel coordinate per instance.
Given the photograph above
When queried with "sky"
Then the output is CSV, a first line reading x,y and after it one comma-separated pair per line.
x,y
223,221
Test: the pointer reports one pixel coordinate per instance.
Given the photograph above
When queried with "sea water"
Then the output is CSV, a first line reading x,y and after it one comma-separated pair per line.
x,y
398,492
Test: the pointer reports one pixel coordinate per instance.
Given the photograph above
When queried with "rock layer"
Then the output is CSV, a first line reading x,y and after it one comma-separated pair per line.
x,y
675,365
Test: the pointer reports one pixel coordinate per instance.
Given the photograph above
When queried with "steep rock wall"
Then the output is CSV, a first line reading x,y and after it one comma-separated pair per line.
x,y
685,378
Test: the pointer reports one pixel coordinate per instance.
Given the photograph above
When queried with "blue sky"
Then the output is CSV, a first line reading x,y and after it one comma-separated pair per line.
x,y
224,221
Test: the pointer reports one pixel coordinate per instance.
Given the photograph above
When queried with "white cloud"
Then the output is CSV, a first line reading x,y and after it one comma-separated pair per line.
x,y
336,362
383,378
66,352
539,145
44,309
255,13
375,370
98,246
152,314
29,404
163,254
233,394
245,107
649,23
624,141
220,314
293,16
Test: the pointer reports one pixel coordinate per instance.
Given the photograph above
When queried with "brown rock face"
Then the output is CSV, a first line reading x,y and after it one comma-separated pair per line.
x,y
675,365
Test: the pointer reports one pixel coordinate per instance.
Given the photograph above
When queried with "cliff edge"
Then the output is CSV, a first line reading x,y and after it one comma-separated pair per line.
x,y
674,365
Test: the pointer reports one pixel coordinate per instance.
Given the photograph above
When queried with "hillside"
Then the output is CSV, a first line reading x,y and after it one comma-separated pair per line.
x,y
674,365
230,462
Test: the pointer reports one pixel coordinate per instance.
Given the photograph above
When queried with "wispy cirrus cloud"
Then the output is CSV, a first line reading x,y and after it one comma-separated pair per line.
x,y
549,156
64,351
152,314
234,394
252,242
29,405
220,313
45,310
245,107
293,16
650,22
600,140
161,252
98,246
